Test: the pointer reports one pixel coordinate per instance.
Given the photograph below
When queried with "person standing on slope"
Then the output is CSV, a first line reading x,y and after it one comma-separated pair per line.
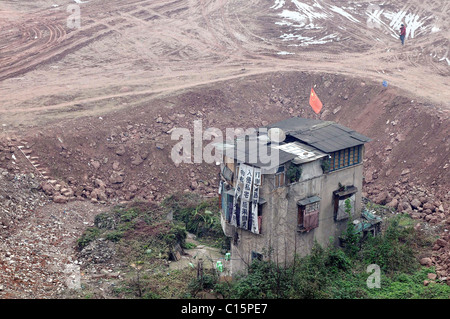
x,y
402,33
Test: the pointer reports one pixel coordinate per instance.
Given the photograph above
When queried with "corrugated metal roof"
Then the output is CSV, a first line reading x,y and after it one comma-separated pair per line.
x,y
326,136
247,150
315,136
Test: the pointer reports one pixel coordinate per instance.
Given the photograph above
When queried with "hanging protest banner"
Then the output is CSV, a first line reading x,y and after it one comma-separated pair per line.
x,y
257,176
247,191
244,213
255,200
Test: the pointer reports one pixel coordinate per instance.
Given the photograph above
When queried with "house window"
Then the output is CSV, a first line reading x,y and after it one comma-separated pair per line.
x,y
340,198
227,173
226,198
229,207
345,158
280,177
256,256
308,213
236,239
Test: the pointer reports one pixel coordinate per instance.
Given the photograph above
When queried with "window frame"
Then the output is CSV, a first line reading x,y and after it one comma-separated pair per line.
x,y
256,256
345,158
280,175
303,211
342,195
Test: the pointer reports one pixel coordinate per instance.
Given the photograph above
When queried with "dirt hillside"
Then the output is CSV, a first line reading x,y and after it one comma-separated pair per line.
x,y
86,113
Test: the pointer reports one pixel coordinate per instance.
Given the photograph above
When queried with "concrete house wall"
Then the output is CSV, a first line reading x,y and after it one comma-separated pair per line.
x,y
279,239
309,142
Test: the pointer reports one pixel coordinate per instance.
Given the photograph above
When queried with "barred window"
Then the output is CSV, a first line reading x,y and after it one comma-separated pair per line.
x,y
311,207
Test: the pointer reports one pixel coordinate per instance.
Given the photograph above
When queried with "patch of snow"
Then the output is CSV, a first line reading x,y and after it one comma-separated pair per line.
x,y
309,11
278,4
344,13
293,15
284,53
413,22
284,23
312,15
435,29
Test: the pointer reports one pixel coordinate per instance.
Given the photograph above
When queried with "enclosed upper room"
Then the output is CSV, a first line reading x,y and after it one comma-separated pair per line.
x,y
302,140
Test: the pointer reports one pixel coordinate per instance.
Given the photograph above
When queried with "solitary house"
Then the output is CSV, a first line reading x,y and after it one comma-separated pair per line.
x,y
276,208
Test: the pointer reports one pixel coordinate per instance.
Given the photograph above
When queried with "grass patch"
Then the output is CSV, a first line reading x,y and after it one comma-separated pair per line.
x,y
335,273
145,240
169,284
140,231
201,217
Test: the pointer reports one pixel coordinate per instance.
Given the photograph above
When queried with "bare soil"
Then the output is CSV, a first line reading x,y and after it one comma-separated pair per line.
x,y
89,111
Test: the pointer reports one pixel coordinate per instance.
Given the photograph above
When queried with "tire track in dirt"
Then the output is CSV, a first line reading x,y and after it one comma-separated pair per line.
x,y
52,50
221,19
205,16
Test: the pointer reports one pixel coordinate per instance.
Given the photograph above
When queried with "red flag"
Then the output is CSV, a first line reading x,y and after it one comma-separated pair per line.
x,y
315,102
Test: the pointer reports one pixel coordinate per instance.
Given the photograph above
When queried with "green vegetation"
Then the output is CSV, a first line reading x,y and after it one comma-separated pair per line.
x,y
294,173
335,273
143,226
325,164
144,240
142,283
350,237
201,217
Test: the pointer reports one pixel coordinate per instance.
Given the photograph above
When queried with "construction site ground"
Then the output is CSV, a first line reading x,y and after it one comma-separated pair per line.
x,y
86,114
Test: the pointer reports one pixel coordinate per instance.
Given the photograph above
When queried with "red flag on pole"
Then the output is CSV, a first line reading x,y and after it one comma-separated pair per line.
x,y
315,102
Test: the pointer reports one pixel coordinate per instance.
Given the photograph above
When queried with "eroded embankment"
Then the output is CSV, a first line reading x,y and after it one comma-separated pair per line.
x,y
125,155
129,150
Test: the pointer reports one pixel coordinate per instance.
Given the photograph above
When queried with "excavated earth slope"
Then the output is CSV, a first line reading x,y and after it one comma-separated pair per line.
x,y
87,114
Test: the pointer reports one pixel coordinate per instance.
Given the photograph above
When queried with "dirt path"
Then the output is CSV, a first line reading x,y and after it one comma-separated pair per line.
x,y
199,253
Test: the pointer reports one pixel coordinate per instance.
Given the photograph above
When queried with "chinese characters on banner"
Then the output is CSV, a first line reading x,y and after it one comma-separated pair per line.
x,y
246,194
245,206
237,194
257,176
248,183
255,199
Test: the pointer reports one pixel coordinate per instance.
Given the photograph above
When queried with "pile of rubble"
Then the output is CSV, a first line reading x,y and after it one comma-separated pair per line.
x,y
37,238
128,161
418,202
19,198
432,212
